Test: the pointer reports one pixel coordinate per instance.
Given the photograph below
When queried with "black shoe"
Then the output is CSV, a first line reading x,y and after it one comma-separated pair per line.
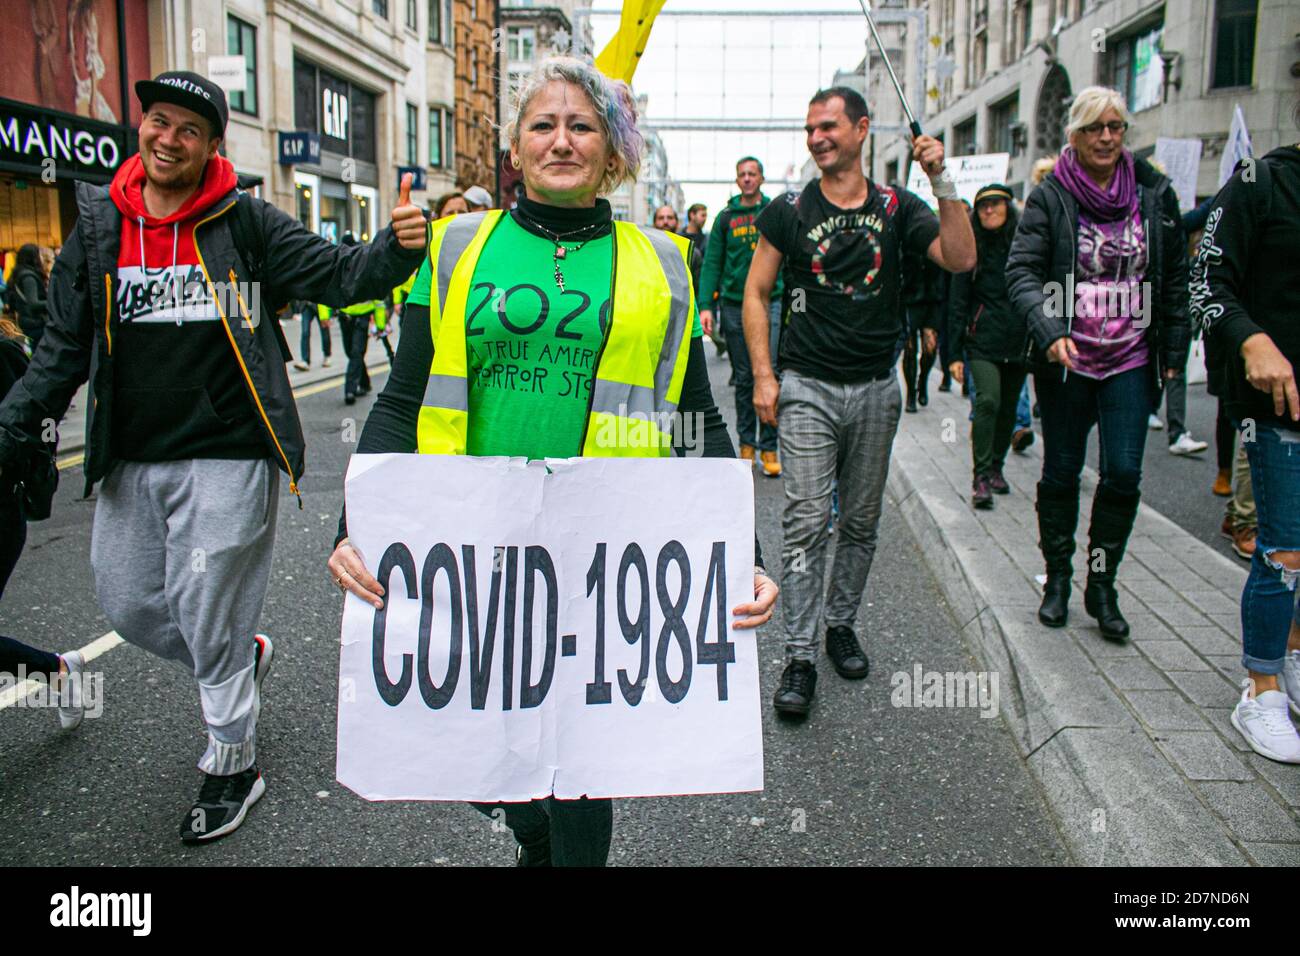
x,y
946,384
910,406
846,654
997,483
349,399
222,804
1101,602
981,495
533,856
798,683
1055,609
923,396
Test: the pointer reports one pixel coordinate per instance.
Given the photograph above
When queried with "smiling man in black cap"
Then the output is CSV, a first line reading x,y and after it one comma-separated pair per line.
x,y
164,298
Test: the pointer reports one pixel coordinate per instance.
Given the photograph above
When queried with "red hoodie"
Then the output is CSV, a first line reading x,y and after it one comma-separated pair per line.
x,y
178,391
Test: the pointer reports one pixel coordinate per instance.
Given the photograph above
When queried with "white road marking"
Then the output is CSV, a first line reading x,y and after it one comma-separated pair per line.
x,y
95,648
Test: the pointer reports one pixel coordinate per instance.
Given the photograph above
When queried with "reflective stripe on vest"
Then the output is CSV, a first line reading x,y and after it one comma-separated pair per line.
x,y
641,365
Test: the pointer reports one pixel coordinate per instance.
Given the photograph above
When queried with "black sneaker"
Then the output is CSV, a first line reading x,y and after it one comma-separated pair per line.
x,y
798,684
222,804
846,654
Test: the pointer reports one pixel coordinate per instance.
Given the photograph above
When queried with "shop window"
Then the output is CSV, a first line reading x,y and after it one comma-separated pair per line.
x,y
963,138
1133,67
1002,116
363,125
1234,43
412,135
440,22
241,40
436,156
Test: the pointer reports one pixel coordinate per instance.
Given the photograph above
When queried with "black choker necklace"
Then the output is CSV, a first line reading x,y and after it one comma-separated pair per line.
x,y
587,232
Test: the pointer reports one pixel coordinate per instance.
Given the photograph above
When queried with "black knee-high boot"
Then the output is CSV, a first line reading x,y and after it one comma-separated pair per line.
x,y
1058,515
1113,514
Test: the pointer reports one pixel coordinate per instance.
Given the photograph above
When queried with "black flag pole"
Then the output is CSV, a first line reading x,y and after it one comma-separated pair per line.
x,y
911,120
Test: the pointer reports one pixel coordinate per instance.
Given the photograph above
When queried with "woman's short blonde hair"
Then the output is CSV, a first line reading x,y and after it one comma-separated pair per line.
x,y
1042,166
614,104
1089,105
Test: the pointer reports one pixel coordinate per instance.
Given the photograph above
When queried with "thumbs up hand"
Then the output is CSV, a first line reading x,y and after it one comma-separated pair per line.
x,y
408,220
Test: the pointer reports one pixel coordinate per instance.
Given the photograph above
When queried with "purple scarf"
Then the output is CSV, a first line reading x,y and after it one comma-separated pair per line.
x,y
1117,201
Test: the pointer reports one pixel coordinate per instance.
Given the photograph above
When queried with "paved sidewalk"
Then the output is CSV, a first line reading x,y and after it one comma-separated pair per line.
x,y
1132,743
72,430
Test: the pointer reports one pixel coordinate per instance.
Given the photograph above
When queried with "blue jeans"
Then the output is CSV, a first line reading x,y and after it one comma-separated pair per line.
x,y
1268,602
1024,413
1118,406
748,428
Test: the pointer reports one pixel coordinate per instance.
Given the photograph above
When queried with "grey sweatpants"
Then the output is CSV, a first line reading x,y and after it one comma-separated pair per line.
x,y
831,431
181,552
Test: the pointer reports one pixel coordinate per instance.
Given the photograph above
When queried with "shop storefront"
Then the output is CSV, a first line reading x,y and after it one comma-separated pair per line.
x,y
67,112
337,181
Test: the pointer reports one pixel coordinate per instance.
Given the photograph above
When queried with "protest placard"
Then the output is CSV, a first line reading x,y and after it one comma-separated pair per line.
x,y
559,627
970,173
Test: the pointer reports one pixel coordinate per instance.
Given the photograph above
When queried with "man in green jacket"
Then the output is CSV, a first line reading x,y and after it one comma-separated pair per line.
x,y
726,266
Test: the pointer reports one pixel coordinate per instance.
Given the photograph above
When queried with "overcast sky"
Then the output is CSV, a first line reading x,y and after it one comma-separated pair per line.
x,y
738,67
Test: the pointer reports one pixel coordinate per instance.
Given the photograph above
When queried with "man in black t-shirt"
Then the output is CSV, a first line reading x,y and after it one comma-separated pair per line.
x,y
840,244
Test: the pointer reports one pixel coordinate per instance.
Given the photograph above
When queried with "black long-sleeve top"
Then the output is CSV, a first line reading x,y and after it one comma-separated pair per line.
x,y
392,423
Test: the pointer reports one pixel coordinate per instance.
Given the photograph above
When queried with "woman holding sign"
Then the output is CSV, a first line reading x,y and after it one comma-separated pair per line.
x,y
558,272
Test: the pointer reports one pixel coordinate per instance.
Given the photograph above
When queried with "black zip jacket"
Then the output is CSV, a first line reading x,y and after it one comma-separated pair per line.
x,y
1044,250
981,321
80,332
1246,280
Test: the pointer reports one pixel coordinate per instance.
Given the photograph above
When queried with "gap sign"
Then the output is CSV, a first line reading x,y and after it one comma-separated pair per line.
x,y
299,148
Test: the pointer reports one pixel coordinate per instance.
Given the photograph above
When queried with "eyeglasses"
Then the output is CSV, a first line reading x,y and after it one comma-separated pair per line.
x,y
1116,127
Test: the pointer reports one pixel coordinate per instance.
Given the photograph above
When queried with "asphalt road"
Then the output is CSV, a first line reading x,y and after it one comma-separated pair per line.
x,y
860,782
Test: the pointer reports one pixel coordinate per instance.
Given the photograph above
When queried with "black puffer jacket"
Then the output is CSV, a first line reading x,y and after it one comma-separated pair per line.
x,y
1044,251
82,327
981,321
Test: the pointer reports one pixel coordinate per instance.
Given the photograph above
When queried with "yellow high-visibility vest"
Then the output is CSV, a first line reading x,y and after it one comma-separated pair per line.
x,y
639,370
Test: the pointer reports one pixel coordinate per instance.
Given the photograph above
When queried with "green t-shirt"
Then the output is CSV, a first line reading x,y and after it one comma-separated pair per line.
x,y
531,348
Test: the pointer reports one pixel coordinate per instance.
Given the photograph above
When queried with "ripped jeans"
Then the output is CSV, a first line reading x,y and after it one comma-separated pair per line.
x,y
1268,602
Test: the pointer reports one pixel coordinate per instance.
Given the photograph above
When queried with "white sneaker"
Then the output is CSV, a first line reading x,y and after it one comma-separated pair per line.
x,y
72,707
300,365
1290,680
1187,445
1154,423
325,362
263,657
1263,722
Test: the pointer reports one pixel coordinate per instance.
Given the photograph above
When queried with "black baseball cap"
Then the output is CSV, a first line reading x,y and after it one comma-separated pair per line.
x,y
993,191
190,90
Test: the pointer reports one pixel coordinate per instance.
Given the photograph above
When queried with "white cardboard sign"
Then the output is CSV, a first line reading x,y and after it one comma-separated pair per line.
x,y
970,173
559,627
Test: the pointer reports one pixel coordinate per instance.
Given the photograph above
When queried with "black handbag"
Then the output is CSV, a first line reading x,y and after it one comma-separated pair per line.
x,y
37,484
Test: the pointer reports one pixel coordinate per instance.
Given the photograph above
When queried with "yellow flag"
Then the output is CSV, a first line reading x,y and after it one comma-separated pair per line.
x,y
621,55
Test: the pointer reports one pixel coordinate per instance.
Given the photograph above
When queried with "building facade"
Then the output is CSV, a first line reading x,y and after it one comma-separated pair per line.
x,y
339,97
1000,75
477,70
67,108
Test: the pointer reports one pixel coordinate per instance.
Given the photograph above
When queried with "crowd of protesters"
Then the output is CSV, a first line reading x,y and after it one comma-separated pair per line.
x,y
814,342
